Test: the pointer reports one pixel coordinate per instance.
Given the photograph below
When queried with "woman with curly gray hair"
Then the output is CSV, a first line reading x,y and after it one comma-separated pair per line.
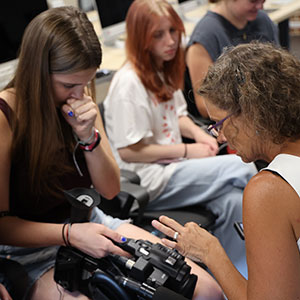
x,y
253,94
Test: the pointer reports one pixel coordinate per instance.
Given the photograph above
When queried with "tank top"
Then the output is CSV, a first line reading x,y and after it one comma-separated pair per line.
x,y
288,167
45,208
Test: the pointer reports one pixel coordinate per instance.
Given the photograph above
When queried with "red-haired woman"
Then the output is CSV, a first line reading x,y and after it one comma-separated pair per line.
x,y
146,116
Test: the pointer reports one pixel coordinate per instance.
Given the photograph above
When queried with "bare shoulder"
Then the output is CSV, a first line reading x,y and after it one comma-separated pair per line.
x,y
197,53
270,213
268,193
9,97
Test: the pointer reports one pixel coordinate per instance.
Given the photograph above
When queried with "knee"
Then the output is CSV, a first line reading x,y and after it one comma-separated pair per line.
x,y
208,290
207,287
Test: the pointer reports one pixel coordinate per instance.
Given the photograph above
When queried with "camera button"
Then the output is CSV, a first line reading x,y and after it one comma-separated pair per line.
x,y
144,251
171,261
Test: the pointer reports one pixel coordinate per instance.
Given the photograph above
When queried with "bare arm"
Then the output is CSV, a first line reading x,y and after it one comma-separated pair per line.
x,y
19,232
198,60
190,130
151,153
271,214
103,169
198,244
102,165
271,208
148,153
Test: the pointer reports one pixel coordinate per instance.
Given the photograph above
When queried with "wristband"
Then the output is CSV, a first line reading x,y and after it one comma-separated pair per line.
x,y
69,234
90,147
89,140
63,234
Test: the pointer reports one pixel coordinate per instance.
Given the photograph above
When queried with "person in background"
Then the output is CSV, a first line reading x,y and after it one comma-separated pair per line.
x,y
228,23
52,139
253,93
145,115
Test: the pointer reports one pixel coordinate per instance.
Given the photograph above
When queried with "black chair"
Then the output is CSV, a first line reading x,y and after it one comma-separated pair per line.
x,y
131,190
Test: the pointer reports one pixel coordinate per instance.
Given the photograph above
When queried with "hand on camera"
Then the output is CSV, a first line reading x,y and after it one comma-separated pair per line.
x,y
96,240
192,241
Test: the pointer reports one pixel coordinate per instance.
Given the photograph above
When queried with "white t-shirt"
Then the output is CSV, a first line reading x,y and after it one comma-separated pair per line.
x,y
133,114
288,167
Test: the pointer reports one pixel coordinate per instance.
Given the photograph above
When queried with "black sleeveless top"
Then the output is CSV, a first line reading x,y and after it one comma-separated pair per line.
x,y
45,208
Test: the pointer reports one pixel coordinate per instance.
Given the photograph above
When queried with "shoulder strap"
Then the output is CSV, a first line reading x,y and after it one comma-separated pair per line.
x,y
5,108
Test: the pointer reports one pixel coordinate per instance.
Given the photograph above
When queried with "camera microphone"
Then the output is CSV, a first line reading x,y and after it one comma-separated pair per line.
x,y
148,291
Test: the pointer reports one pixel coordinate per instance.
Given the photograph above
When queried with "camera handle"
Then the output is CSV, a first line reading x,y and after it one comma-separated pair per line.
x,y
82,201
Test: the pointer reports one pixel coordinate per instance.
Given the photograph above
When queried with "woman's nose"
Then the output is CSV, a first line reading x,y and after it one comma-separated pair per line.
x,y
221,138
260,5
77,93
170,39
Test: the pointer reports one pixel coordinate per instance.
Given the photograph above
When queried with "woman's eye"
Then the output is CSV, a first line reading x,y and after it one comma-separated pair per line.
x,y
158,35
68,86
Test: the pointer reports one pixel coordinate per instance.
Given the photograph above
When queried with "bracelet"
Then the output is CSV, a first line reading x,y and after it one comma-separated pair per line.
x,y
90,147
63,233
89,140
185,151
69,234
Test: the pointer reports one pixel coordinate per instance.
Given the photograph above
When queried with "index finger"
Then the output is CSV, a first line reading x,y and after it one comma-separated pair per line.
x,y
119,251
113,235
171,223
167,226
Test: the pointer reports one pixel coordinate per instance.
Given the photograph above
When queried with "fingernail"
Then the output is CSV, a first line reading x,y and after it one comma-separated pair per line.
x,y
70,113
123,239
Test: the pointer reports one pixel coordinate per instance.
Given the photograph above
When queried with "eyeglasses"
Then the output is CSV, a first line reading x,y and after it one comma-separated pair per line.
x,y
215,129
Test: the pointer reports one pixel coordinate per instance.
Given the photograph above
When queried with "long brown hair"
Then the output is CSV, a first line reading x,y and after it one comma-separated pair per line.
x,y
141,22
59,40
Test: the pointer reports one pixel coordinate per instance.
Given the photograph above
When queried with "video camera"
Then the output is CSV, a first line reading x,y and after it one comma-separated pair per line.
x,y
153,272
117,277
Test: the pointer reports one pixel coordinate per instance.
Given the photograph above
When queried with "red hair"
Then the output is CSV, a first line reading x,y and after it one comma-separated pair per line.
x,y
141,22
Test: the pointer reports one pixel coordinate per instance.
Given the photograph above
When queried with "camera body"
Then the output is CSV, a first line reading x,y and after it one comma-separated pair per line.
x,y
151,266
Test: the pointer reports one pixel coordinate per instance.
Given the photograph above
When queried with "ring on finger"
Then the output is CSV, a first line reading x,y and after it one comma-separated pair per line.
x,y
175,236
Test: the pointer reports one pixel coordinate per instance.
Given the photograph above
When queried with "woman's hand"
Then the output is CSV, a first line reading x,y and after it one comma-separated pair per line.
x,y
95,239
199,150
81,115
4,295
192,241
204,138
